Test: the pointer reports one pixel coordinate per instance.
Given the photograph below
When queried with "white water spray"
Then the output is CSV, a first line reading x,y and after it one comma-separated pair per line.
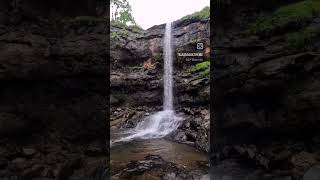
x,y
164,122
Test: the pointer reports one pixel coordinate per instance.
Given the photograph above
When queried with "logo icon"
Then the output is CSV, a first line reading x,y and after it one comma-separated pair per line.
x,y
199,45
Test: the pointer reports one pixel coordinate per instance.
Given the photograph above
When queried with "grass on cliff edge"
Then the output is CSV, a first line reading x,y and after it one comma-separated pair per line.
x,y
290,16
124,29
203,14
202,68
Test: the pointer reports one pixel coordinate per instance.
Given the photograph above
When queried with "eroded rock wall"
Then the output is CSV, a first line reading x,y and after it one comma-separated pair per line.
x,y
265,91
53,114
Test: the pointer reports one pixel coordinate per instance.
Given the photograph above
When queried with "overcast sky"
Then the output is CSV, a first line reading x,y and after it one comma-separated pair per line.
x,y
153,12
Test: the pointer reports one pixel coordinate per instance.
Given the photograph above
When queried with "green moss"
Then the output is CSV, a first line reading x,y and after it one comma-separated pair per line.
x,y
303,39
202,68
291,16
203,14
87,20
205,72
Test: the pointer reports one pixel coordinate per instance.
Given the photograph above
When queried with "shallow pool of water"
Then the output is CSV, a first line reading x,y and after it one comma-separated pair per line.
x,y
180,154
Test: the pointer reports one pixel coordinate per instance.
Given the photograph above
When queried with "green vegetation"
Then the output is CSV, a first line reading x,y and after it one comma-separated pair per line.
x,y
203,14
303,39
119,33
87,20
294,15
124,29
118,24
202,68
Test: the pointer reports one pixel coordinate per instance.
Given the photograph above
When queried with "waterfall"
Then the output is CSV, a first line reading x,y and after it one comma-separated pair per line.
x,y
164,122
168,68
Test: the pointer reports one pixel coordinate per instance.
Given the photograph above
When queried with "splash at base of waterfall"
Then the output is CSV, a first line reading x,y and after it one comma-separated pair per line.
x,y
157,125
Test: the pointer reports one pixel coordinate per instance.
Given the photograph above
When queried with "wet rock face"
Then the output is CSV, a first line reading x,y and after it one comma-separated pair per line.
x,y
135,88
261,85
54,94
274,91
195,128
127,47
264,92
43,70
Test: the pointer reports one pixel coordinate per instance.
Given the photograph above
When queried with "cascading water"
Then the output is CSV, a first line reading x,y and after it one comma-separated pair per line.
x,y
168,66
164,122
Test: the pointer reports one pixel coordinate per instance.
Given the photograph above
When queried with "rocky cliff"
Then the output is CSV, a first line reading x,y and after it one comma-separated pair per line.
x,y
265,87
53,95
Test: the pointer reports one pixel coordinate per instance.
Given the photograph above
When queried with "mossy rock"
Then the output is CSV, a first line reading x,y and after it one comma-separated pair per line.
x,y
120,33
292,16
303,39
202,68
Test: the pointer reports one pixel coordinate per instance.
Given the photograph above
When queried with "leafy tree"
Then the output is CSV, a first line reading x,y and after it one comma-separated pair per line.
x,y
121,12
